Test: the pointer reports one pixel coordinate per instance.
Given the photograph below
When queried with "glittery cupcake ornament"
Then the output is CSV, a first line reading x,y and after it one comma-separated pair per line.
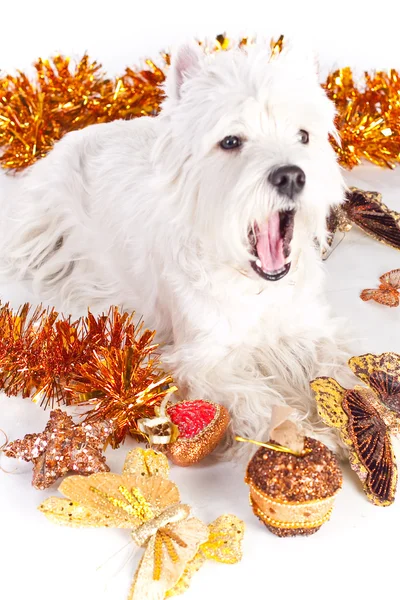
x,y
293,480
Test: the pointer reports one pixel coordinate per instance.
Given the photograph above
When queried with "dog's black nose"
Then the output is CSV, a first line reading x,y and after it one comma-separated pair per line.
x,y
288,180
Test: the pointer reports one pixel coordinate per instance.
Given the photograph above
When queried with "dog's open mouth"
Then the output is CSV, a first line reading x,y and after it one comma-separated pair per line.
x,y
270,243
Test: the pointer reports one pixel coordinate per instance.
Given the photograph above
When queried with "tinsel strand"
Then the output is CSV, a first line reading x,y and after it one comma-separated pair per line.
x,y
63,97
107,364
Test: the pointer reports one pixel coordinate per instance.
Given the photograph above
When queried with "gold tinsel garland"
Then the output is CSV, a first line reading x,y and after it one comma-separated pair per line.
x,y
104,363
63,97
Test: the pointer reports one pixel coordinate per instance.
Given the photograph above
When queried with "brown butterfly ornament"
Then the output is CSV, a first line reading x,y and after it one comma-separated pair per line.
x,y
366,418
388,292
367,211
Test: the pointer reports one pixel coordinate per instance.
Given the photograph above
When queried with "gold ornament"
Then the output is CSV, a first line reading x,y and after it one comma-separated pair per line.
x,y
201,425
366,418
65,96
189,430
63,447
144,501
159,430
292,487
224,545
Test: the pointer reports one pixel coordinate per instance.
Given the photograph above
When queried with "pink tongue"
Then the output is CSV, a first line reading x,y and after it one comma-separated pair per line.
x,y
270,244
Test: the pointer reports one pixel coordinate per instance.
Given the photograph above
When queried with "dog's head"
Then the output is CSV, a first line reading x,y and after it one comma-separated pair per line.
x,y
248,149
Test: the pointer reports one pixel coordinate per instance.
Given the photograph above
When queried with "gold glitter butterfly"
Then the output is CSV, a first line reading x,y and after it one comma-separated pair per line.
x,y
224,545
366,418
143,500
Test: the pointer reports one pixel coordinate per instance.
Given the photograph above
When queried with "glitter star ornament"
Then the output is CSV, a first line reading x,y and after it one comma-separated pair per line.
x,y
366,417
63,447
292,487
144,501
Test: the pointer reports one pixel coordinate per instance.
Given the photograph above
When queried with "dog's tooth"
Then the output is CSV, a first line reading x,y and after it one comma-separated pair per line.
x,y
258,263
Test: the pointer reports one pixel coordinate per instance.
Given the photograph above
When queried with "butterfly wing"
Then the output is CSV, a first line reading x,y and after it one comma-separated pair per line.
x,y
337,220
382,374
362,366
364,431
122,501
367,211
225,538
190,533
373,458
224,545
65,512
388,297
392,278
146,463
329,397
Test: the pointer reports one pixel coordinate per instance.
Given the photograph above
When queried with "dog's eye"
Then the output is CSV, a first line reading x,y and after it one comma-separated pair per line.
x,y
303,136
230,142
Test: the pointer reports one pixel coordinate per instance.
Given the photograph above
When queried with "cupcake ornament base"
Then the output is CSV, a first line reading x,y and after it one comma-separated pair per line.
x,y
293,479
286,529
291,494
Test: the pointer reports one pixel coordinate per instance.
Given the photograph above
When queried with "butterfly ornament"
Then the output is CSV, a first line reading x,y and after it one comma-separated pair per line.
x,y
147,503
367,211
388,292
366,418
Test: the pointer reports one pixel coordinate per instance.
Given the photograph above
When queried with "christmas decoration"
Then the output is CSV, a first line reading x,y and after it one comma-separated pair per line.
x,y
39,351
293,487
201,425
366,417
367,211
224,545
388,292
190,429
105,363
146,463
122,385
65,96
368,117
61,448
149,505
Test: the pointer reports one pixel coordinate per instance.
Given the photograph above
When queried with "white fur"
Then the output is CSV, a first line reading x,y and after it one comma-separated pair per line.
x,y
154,216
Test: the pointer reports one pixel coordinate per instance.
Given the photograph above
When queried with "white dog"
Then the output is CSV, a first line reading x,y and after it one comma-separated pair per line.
x,y
203,220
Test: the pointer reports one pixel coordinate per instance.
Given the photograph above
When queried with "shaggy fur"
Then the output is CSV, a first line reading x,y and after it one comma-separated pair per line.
x,y
154,216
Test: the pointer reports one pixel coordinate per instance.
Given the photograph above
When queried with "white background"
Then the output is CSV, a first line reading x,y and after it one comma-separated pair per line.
x,y
355,554
119,32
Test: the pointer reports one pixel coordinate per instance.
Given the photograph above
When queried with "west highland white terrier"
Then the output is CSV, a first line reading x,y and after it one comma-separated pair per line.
x,y
203,220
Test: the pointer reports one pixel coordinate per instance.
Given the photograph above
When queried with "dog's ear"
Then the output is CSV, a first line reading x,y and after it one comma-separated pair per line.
x,y
185,63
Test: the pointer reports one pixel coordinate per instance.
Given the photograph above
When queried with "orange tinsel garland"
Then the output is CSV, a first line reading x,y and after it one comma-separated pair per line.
x,y
105,363
35,114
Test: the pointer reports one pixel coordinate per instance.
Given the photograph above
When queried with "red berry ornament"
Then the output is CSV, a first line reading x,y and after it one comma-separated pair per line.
x,y
201,424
